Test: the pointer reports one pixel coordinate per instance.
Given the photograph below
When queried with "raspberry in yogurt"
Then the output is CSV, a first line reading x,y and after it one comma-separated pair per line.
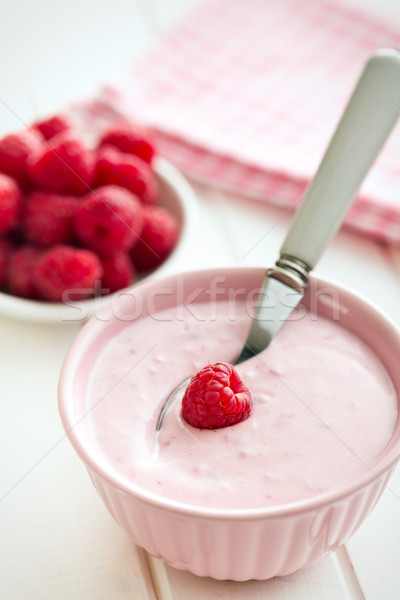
x,y
323,409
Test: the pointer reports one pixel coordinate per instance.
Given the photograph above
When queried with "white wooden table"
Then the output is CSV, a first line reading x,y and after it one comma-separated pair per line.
x,y
57,541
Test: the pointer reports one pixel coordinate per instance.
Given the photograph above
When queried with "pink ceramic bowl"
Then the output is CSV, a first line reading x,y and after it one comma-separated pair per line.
x,y
229,544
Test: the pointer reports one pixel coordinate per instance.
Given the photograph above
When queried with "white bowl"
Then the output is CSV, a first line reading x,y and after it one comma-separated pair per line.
x,y
178,197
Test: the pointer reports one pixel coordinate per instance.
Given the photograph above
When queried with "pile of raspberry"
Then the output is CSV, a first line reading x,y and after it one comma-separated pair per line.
x,y
75,220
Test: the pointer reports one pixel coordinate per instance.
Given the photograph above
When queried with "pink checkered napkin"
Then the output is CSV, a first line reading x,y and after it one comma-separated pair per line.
x,y
245,94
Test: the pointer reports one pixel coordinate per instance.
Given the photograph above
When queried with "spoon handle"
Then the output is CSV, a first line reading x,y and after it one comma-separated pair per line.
x,y
367,121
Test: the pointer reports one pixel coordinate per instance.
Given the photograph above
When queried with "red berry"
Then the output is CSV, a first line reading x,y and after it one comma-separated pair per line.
x,y
51,126
48,218
15,152
20,272
63,273
5,253
10,204
127,171
109,219
118,272
159,236
216,397
65,164
131,139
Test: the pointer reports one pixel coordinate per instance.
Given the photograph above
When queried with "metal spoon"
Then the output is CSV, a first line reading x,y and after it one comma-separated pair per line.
x,y
370,115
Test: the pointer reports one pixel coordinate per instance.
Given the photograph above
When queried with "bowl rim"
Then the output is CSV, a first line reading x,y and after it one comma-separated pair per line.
x,y
380,469
57,312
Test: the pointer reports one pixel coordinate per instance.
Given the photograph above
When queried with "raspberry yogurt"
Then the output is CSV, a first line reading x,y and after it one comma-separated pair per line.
x,y
323,406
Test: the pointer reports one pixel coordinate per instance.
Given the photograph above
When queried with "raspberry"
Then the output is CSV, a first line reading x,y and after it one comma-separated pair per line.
x,y
15,151
50,127
20,280
10,204
64,165
128,171
216,397
66,273
109,219
159,236
48,218
118,272
5,252
131,139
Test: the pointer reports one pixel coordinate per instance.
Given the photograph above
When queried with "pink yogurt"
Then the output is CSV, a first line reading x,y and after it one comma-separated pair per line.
x,y
324,408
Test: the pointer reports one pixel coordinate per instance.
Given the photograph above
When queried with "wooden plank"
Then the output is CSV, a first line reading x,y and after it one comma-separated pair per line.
x,y
161,581
321,581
